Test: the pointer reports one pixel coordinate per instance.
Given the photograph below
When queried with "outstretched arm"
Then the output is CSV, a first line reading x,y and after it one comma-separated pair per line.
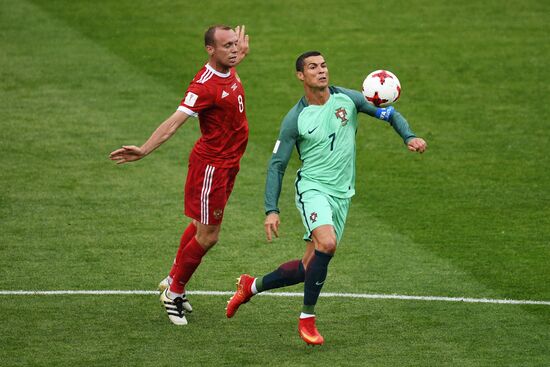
x,y
130,153
401,126
389,114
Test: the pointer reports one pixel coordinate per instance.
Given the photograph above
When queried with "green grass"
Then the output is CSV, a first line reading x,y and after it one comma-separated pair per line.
x,y
471,217
124,330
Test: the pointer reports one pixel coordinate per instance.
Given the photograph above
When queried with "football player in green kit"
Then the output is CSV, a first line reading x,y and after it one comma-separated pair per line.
x,y
322,126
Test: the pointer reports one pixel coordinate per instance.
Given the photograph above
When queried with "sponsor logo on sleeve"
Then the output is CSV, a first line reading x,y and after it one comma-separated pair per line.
x,y
190,99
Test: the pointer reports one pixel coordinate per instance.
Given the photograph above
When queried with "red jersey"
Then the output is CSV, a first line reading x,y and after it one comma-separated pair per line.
x,y
218,101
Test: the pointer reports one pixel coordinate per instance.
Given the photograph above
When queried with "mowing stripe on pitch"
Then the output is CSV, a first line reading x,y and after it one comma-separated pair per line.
x,y
280,294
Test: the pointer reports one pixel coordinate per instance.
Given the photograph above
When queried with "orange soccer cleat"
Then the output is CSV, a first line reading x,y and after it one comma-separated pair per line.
x,y
308,332
242,295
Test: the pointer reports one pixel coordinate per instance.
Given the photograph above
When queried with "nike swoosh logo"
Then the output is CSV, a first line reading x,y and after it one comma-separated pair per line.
x,y
310,131
317,283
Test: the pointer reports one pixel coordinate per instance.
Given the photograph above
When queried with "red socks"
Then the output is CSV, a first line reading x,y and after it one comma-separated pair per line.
x,y
186,264
187,235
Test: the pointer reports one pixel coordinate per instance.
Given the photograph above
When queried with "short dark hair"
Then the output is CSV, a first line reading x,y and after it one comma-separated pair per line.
x,y
209,34
302,57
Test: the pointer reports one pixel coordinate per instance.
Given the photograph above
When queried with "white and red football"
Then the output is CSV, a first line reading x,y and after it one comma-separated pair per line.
x,y
381,88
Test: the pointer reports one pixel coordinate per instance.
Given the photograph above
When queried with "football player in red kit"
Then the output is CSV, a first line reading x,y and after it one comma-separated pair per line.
x,y
216,97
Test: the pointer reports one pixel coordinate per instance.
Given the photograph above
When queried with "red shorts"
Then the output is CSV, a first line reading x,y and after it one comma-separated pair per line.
x,y
207,190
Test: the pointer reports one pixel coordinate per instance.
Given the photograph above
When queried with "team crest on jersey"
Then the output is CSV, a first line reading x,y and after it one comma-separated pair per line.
x,y
342,114
313,217
218,213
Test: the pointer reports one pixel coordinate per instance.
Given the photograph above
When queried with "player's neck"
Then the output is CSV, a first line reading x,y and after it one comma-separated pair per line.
x,y
317,96
218,67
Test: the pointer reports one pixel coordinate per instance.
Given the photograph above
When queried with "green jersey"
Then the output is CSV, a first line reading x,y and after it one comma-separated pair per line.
x,y
324,136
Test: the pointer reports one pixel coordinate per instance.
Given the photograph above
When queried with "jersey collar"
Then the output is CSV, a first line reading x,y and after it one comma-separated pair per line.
x,y
221,75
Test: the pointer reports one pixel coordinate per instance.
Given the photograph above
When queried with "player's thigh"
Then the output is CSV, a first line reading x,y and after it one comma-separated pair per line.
x,y
207,190
315,210
340,209
231,177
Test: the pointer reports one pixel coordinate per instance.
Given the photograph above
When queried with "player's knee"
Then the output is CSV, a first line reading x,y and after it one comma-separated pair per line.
x,y
207,240
327,246
207,236
211,240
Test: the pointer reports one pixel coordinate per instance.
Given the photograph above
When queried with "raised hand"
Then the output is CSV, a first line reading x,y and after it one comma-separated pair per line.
x,y
242,43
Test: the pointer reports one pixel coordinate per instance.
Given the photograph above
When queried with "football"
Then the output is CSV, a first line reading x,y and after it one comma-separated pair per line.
x,y
381,88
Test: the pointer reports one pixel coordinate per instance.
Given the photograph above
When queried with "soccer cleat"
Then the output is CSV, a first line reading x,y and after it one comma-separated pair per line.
x,y
165,284
174,308
242,295
186,305
308,332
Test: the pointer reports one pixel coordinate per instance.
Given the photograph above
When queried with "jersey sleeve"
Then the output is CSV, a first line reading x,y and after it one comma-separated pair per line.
x,y
282,151
197,98
388,114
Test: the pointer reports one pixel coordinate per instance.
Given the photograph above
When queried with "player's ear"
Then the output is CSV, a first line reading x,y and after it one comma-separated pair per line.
x,y
300,75
210,50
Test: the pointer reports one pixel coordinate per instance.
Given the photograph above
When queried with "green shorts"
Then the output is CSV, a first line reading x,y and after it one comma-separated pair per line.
x,y
317,208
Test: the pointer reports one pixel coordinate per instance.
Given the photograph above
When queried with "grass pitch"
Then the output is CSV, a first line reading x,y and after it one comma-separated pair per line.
x,y
469,218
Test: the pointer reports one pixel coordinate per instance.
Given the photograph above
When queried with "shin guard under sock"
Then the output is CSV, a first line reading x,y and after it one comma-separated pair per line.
x,y
289,273
187,235
315,276
192,257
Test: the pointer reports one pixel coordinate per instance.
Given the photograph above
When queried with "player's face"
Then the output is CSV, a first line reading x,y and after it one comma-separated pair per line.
x,y
315,74
224,51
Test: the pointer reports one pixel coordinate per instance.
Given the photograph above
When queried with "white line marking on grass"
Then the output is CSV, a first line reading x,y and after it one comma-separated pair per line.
x,y
280,294
75,292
